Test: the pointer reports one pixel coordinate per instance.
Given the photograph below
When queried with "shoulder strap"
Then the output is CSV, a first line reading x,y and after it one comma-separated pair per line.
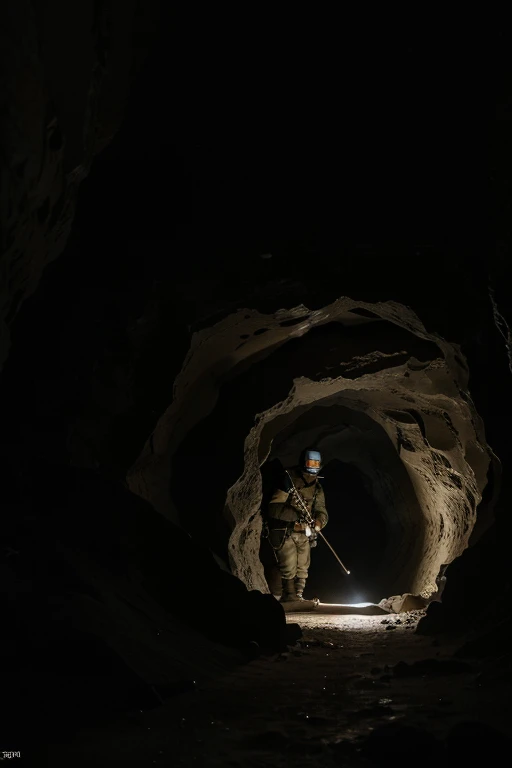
x,y
314,498
287,486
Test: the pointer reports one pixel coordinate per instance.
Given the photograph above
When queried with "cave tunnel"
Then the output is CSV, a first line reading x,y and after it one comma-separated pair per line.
x,y
386,405
218,249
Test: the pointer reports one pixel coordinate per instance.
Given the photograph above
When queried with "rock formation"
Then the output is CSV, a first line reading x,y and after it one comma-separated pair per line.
x,y
376,391
221,293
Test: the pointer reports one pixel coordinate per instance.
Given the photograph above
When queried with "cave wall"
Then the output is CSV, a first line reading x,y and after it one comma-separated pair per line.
x,y
171,223
429,489
66,74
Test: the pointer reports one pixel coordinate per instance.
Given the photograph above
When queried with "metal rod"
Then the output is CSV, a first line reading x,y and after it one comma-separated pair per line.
x,y
334,553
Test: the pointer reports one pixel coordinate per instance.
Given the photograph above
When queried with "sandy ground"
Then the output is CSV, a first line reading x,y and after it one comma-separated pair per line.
x,y
336,698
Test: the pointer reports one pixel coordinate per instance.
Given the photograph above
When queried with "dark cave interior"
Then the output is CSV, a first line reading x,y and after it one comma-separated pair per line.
x,y
217,250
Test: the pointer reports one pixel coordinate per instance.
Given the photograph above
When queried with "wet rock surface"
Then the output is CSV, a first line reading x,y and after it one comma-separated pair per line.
x,y
322,700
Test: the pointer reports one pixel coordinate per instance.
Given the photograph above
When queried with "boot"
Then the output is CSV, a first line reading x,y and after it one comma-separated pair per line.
x,y
299,588
288,591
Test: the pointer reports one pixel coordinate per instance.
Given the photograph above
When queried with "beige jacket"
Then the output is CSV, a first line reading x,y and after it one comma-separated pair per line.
x,y
282,507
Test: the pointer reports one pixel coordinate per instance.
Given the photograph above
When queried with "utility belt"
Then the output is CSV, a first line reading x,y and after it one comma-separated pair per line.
x,y
277,531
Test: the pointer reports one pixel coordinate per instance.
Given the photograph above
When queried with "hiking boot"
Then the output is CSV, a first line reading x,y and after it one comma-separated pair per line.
x,y
288,591
299,588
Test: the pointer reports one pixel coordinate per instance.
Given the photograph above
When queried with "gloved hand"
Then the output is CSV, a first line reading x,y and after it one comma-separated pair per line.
x,y
299,527
318,525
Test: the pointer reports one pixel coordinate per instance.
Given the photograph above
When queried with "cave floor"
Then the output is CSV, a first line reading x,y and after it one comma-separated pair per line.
x,y
333,698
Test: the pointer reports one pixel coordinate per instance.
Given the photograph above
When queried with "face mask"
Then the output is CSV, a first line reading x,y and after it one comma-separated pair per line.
x,y
312,462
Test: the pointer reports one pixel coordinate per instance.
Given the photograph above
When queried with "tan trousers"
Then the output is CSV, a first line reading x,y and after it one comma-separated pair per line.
x,y
295,556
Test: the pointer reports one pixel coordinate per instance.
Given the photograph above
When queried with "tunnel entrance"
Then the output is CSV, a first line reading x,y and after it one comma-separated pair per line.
x,y
383,400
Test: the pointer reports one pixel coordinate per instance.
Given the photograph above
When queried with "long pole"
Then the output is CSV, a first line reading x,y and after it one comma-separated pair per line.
x,y
334,553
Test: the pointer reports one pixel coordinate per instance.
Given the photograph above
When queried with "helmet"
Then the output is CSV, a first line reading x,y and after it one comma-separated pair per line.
x,y
311,461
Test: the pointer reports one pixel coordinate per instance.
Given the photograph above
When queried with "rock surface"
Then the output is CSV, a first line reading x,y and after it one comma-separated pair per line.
x,y
330,700
408,424
66,73
167,240
120,604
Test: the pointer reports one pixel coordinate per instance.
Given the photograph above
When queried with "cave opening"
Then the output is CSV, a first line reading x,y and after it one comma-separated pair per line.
x,y
209,458
405,457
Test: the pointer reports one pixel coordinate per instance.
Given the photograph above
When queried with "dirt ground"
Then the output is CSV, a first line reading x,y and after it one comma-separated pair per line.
x,y
347,693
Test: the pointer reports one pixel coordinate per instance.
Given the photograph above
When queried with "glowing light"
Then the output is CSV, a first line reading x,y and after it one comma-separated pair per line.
x,y
360,605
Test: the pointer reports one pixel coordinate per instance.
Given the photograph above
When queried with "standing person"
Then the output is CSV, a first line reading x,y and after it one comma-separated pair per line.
x,y
289,535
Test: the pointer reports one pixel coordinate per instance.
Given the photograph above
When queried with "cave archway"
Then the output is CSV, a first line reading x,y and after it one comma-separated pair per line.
x,y
370,386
